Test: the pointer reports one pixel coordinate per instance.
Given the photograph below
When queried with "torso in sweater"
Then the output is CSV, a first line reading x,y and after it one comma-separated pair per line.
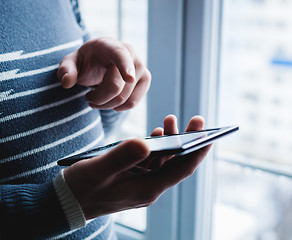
x,y
40,122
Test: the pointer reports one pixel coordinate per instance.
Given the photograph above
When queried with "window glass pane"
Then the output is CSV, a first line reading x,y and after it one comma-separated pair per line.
x,y
100,17
125,20
252,205
255,78
255,93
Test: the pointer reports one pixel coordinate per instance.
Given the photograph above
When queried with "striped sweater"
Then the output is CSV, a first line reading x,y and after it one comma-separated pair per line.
x,y
40,122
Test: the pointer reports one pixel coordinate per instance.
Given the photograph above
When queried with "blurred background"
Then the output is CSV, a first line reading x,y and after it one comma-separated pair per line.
x,y
251,171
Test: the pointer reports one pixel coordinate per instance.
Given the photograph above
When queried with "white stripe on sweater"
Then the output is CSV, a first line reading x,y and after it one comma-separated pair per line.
x,y
111,235
50,165
23,174
62,235
86,148
45,127
4,96
42,108
13,74
51,145
18,54
109,113
67,233
100,230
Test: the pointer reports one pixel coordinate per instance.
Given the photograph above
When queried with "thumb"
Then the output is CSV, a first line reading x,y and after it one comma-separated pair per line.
x,y
125,156
67,72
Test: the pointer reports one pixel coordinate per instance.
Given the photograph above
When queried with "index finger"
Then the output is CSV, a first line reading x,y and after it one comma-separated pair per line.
x,y
196,124
120,56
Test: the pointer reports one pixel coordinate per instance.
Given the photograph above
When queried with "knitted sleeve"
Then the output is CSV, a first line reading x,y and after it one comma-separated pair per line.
x,y
111,120
30,210
78,17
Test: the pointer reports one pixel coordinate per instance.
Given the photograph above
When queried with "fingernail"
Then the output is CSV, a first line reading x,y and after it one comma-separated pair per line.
x,y
132,73
63,81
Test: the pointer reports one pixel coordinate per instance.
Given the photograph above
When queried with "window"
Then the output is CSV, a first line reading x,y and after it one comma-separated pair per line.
x,y
229,61
254,173
252,168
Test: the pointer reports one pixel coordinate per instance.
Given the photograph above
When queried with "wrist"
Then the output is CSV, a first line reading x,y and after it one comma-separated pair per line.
x,y
69,203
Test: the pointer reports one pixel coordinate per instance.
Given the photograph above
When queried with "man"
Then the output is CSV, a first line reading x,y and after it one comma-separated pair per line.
x,y
44,116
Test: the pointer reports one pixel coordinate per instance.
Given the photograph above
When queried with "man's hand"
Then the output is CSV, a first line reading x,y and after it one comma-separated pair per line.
x,y
118,76
116,181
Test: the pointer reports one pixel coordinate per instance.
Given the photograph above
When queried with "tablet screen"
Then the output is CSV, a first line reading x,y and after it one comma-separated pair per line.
x,y
162,145
174,141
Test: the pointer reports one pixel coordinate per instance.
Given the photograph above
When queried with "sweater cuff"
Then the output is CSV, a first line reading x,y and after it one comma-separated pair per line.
x,y
69,203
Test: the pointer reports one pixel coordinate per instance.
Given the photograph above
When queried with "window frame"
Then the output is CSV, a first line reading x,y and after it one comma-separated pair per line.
x,y
184,71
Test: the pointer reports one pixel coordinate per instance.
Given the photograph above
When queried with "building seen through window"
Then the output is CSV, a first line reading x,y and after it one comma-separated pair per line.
x,y
254,182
